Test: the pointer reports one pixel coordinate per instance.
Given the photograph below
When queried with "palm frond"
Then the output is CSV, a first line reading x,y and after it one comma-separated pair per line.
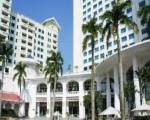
x,y
124,5
129,23
85,42
108,15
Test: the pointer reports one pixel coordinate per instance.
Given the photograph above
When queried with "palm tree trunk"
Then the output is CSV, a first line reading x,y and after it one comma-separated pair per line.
x,y
120,78
53,103
1,87
93,84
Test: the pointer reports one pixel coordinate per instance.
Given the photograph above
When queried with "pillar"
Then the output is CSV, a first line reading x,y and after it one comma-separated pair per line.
x,y
136,82
22,109
48,100
116,89
108,91
32,105
64,105
38,109
81,101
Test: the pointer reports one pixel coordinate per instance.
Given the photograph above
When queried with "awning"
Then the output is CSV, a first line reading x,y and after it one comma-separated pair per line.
x,y
11,97
142,108
110,111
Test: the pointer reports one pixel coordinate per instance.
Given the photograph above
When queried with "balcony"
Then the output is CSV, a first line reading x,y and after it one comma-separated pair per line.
x,y
41,94
7,2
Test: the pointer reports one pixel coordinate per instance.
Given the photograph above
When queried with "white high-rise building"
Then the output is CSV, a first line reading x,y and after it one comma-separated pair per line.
x,y
84,10
27,37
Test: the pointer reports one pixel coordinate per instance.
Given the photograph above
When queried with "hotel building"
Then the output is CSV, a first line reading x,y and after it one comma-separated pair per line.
x,y
83,11
32,41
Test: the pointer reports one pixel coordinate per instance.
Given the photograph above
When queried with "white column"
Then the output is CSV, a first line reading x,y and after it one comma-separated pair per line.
x,y
64,105
38,109
116,89
48,100
22,110
108,92
81,101
136,82
32,105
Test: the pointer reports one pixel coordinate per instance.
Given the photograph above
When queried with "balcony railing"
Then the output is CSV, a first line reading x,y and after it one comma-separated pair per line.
x,y
41,93
73,92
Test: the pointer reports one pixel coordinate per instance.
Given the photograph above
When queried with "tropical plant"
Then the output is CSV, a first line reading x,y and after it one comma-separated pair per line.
x,y
20,75
40,67
144,77
91,29
5,52
129,92
52,69
98,103
144,14
113,18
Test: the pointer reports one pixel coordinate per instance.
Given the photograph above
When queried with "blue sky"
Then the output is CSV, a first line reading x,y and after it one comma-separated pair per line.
x,y
61,10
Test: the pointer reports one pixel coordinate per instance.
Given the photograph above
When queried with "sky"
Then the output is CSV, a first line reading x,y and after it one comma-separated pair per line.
x,y
39,10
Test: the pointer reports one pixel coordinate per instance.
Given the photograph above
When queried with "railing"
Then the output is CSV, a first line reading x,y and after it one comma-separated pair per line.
x,y
73,92
41,93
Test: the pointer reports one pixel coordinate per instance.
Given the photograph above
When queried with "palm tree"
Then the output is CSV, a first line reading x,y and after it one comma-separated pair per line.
x,y
144,77
52,69
5,52
113,19
91,29
145,17
20,75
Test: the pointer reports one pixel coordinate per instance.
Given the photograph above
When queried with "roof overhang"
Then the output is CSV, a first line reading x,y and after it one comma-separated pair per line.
x,y
141,49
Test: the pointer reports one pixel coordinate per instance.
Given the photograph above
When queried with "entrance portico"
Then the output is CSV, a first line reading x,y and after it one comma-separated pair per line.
x,y
136,57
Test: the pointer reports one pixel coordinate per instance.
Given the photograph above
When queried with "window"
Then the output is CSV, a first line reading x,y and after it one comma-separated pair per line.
x,y
55,36
109,44
131,36
131,18
84,6
84,1
124,39
85,68
95,6
90,52
124,46
89,3
100,2
110,52
144,30
129,10
89,9
102,55
123,30
142,3
85,61
13,17
97,49
107,6
95,13
84,12
85,53
102,47
100,10
96,57
90,59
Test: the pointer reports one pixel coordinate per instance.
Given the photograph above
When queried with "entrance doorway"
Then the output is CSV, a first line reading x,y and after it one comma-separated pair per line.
x,y
26,109
41,109
58,107
74,108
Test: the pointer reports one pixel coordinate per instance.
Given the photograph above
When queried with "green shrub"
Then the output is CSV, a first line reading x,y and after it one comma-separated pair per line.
x,y
9,113
4,118
142,118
